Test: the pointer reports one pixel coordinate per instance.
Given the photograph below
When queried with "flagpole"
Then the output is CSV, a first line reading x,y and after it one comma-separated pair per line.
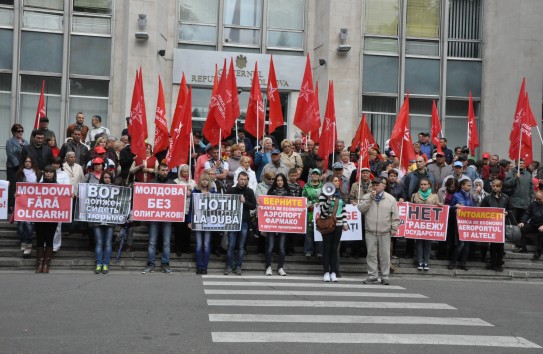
x,y
237,141
190,157
257,131
539,132
264,103
220,140
519,143
359,174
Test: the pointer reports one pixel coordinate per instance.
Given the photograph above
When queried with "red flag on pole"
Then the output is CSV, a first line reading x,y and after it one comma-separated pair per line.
x,y
145,129
305,117
436,128
520,113
233,87
315,132
138,122
180,149
473,136
526,131
328,136
161,124
255,110
276,112
181,96
41,111
366,142
400,140
220,107
212,131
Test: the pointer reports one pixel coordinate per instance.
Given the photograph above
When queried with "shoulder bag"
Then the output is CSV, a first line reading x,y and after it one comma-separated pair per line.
x,y
328,224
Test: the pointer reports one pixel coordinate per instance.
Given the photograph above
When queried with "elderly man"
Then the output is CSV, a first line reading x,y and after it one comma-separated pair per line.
x,y
382,222
440,170
74,170
276,165
340,146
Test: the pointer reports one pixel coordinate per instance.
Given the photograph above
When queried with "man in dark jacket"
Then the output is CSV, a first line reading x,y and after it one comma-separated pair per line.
x,y
448,152
164,227
531,222
39,153
126,158
81,150
519,186
248,202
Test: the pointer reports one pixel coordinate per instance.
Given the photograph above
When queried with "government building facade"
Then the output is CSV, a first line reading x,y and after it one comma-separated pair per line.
x,y
375,51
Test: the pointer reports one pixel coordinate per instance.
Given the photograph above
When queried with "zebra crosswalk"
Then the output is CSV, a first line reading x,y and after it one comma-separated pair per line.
x,y
259,309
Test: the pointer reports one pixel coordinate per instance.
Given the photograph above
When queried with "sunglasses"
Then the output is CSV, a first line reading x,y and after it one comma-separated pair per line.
x,y
20,131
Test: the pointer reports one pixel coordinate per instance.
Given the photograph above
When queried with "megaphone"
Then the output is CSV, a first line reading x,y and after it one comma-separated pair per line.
x,y
328,189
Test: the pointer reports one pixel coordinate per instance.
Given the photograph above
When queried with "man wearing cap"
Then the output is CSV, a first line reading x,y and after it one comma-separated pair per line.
x,y
426,147
458,170
76,146
439,169
97,128
276,166
44,127
382,222
312,191
79,124
337,171
364,183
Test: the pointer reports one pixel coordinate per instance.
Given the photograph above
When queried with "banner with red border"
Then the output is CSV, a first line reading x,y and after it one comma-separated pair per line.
x,y
282,214
423,221
159,202
481,224
43,202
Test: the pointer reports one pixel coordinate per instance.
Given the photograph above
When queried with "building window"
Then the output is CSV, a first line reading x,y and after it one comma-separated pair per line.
x,y
456,127
465,29
41,51
381,115
423,27
30,94
241,25
381,26
5,103
89,96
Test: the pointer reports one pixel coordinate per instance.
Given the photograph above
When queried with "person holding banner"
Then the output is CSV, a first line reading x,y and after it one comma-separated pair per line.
x,y
278,188
181,231
497,199
327,204
28,172
165,228
461,198
311,192
424,196
382,222
248,201
103,234
62,178
445,194
45,231
202,237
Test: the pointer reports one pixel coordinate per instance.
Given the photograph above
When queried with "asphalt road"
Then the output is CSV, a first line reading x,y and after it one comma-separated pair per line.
x,y
79,312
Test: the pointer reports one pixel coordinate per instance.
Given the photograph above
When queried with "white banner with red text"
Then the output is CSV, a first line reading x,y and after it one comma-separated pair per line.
x,y
354,220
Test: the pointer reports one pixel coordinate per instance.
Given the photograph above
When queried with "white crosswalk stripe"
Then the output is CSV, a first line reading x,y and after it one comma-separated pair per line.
x,y
284,300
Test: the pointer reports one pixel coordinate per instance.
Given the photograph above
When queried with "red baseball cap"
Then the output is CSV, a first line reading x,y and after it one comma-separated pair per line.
x,y
100,150
486,155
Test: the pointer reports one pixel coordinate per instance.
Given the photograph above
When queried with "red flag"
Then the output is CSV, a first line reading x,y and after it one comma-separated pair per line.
x,y
145,131
137,121
436,128
526,130
180,149
357,138
220,104
181,96
41,111
212,131
315,132
400,140
276,112
329,132
520,113
305,117
473,137
233,87
161,124
366,142
255,109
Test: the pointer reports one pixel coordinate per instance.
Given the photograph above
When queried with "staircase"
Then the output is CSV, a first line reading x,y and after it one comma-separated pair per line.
x,y
75,254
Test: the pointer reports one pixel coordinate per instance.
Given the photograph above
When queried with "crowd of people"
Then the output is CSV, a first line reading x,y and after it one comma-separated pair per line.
x,y
285,168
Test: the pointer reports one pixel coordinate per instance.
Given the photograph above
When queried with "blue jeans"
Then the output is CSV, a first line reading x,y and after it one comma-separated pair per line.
x,y
269,249
310,240
24,231
203,238
102,237
423,250
166,231
240,237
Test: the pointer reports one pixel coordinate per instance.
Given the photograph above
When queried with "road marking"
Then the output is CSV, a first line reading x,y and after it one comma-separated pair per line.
x,y
372,338
310,293
409,320
290,277
307,285
335,304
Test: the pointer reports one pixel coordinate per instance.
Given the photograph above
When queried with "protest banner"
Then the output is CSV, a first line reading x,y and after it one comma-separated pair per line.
x,y
4,199
354,219
282,214
216,212
159,202
104,203
481,224
423,221
43,202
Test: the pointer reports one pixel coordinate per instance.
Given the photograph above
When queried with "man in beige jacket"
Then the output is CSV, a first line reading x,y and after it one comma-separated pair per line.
x,y
382,222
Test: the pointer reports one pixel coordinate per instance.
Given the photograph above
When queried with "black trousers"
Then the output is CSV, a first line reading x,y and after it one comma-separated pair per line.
x,y
496,254
45,232
181,237
529,229
11,173
330,246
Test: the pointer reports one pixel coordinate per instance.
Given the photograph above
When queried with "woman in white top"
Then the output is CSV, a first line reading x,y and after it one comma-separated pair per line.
x,y
62,178
245,166
348,166
181,229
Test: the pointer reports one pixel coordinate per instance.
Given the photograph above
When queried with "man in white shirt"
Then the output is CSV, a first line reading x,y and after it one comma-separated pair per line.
x,y
96,129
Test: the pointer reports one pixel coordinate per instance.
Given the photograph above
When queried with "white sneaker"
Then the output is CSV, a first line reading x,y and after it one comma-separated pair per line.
x,y
23,246
326,277
282,272
268,271
333,277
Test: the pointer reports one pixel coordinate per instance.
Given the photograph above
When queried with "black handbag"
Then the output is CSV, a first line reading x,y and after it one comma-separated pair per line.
x,y
512,232
327,225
